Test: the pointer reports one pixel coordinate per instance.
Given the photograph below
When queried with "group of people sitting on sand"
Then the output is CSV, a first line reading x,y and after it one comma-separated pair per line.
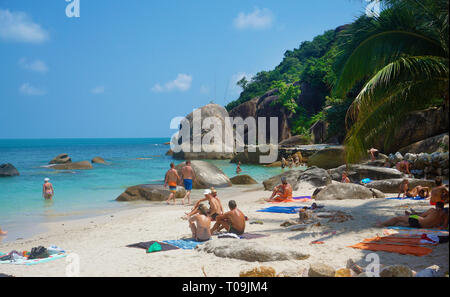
x,y
200,217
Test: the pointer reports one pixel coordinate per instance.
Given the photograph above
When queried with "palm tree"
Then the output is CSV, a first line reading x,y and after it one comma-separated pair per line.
x,y
402,59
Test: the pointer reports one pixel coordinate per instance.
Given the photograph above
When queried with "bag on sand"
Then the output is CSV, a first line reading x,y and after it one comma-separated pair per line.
x,y
39,252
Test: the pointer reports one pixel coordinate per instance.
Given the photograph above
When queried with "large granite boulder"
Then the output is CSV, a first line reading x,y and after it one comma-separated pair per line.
x,y
8,170
149,193
329,157
98,160
216,150
61,159
246,109
438,143
396,271
393,185
252,155
316,177
343,191
83,165
251,251
321,270
207,175
243,180
357,172
296,140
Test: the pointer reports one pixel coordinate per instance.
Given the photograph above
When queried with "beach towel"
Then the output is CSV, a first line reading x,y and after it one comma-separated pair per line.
x,y
392,248
289,200
243,236
34,261
281,209
148,244
366,181
185,244
411,241
407,198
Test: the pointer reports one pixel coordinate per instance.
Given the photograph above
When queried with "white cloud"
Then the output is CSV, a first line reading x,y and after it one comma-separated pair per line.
x,y
18,27
181,83
235,89
98,90
258,19
29,90
204,89
35,66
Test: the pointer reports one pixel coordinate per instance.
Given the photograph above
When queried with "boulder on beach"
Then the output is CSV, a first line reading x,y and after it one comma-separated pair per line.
x,y
430,145
83,165
358,172
327,158
243,180
207,175
251,251
149,193
8,170
317,177
321,270
393,185
98,160
343,191
396,271
295,140
61,159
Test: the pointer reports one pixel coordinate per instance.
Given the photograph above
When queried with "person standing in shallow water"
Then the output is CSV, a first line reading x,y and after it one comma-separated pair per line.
x,y
238,168
47,189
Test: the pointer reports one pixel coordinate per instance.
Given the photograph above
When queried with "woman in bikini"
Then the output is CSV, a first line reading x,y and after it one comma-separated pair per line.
x,y
47,189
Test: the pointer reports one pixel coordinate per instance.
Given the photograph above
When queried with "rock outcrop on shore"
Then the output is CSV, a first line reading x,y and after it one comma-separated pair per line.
x,y
98,160
243,180
149,193
207,175
250,251
82,165
316,177
329,157
357,172
429,145
208,111
61,159
343,191
393,185
8,170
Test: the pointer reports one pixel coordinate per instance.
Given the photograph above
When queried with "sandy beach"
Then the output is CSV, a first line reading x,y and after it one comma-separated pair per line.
x,y
100,242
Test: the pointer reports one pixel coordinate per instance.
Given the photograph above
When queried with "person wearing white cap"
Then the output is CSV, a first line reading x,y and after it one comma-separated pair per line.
x,y
215,207
47,189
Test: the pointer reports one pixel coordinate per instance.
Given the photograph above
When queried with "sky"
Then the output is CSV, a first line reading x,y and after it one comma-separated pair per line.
x,y
125,69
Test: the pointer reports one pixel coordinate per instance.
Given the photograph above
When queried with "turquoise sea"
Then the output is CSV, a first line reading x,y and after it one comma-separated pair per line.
x,y
83,192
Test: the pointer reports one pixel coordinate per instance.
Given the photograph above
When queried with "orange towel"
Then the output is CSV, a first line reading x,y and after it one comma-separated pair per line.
x,y
396,240
401,249
282,200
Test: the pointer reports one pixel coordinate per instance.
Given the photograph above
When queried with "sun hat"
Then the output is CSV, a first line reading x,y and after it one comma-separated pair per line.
x,y
207,192
46,179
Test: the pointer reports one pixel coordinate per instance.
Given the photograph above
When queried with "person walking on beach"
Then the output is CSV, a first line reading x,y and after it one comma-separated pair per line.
x,y
3,233
171,179
200,224
188,175
232,221
47,189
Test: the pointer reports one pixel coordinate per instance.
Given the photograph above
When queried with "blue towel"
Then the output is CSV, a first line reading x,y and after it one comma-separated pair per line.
x,y
35,261
185,244
409,198
281,209
366,181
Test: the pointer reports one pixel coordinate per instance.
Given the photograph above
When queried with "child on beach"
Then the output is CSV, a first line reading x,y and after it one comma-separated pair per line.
x,y
171,179
47,189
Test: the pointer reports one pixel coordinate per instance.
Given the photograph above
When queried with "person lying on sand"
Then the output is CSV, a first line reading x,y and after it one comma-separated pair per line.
x,y
171,179
200,224
432,218
232,221
3,233
215,206
419,191
188,176
281,192
439,193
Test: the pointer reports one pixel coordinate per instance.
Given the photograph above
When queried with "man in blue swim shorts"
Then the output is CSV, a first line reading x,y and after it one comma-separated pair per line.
x,y
188,175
